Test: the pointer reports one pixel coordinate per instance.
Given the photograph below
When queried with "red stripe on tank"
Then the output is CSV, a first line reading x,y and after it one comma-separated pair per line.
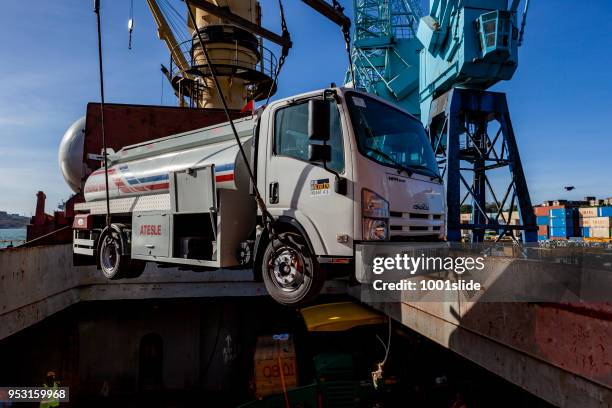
x,y
160,186
224,177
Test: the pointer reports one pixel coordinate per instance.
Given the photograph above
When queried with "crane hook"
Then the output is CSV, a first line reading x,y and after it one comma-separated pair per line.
x,y
131,24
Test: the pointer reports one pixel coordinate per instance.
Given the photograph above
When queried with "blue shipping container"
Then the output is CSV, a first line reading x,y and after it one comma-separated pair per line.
x,y
542,237
561,222
562,232
563,212
542,220
559,212
586,232
604,211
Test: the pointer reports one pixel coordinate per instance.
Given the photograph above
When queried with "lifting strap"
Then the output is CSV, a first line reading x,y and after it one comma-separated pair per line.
x,y
284,51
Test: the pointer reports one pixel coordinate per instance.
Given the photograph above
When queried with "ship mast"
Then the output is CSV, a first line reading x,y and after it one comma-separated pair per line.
x,y
243,66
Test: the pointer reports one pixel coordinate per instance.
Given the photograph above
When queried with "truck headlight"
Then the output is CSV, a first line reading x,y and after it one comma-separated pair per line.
x,y
375,212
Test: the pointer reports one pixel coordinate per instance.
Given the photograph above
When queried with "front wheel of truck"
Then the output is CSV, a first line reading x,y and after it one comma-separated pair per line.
x,y
290,272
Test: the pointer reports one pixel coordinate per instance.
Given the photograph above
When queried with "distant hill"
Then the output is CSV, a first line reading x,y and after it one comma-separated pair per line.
x,y
12,220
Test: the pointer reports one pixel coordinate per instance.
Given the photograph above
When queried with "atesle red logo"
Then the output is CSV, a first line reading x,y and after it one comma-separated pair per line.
x,y
150,229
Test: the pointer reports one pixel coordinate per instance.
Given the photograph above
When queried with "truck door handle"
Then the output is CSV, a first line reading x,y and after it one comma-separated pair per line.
x,y
150,246
274,193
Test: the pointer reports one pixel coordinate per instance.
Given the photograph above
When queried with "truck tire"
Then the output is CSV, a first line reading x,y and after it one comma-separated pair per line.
x,y
113,263
290,272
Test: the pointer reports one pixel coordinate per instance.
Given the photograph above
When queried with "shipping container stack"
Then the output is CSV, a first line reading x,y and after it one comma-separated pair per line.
x,y
556,220
562,219
563,223
542,220
596,222
586,214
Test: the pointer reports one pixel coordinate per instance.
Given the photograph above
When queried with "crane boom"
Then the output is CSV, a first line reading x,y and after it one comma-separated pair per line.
x,y
165,34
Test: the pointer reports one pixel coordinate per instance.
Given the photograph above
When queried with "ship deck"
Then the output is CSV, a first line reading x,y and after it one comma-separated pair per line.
x,y
541,347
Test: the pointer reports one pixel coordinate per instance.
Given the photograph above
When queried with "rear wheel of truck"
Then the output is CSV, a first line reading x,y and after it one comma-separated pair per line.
x,y
290,272
113,263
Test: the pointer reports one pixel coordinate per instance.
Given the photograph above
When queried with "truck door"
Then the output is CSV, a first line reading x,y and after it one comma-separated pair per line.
x,y
303,190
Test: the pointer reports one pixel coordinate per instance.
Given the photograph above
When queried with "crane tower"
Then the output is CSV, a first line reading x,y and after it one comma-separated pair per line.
x,y
464,47
386,51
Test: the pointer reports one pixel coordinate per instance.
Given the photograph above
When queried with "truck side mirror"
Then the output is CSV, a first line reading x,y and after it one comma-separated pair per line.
x,y
319,153
318,120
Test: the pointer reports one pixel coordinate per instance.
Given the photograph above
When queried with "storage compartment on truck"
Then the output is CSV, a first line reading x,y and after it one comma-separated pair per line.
x,y
194,237
151,234
194,200
193,190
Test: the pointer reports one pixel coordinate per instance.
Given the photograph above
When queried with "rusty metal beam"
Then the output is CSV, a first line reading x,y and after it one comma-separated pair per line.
x,y
224,13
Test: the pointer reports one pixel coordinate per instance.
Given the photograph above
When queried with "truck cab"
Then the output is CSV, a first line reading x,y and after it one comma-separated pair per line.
x,y
333,168
339,167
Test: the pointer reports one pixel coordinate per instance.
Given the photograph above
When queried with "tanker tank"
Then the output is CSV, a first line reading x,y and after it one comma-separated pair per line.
x,y
145,168
70,155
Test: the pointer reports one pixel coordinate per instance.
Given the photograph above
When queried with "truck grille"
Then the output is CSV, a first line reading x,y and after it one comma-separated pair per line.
x,y
413,223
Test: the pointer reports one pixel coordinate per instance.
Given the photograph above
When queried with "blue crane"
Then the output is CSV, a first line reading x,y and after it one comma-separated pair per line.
x,y
469,44
441,69
386,51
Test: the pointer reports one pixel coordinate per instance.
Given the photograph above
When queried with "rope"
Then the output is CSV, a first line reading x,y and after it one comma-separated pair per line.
x,y
377,375
284,52
347,42
346,32
282,374
388,348
267,217
175,20
101,69
163,79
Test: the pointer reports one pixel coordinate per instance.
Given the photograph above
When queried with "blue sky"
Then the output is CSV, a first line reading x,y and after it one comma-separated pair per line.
x,y
48,72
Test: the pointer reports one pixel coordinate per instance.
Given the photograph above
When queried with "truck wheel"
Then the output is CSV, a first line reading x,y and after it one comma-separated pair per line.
x,y
290,272
114,265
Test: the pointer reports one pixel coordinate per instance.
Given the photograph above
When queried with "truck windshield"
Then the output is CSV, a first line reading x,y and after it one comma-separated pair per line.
x,y
390,137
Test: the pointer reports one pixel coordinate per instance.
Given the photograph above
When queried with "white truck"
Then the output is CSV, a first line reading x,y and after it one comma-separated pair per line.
x,y
334,167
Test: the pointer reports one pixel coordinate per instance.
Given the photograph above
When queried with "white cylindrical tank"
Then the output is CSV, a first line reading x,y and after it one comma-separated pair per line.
x,y
145,168
70,155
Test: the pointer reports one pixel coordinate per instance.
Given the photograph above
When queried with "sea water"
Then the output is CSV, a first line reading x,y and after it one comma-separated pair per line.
x,y
15,236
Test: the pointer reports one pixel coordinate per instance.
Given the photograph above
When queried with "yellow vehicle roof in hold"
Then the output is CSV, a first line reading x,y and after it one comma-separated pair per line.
x,y
340,316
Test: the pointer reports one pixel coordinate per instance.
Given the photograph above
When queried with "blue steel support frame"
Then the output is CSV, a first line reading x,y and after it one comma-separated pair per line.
x,y
459,127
